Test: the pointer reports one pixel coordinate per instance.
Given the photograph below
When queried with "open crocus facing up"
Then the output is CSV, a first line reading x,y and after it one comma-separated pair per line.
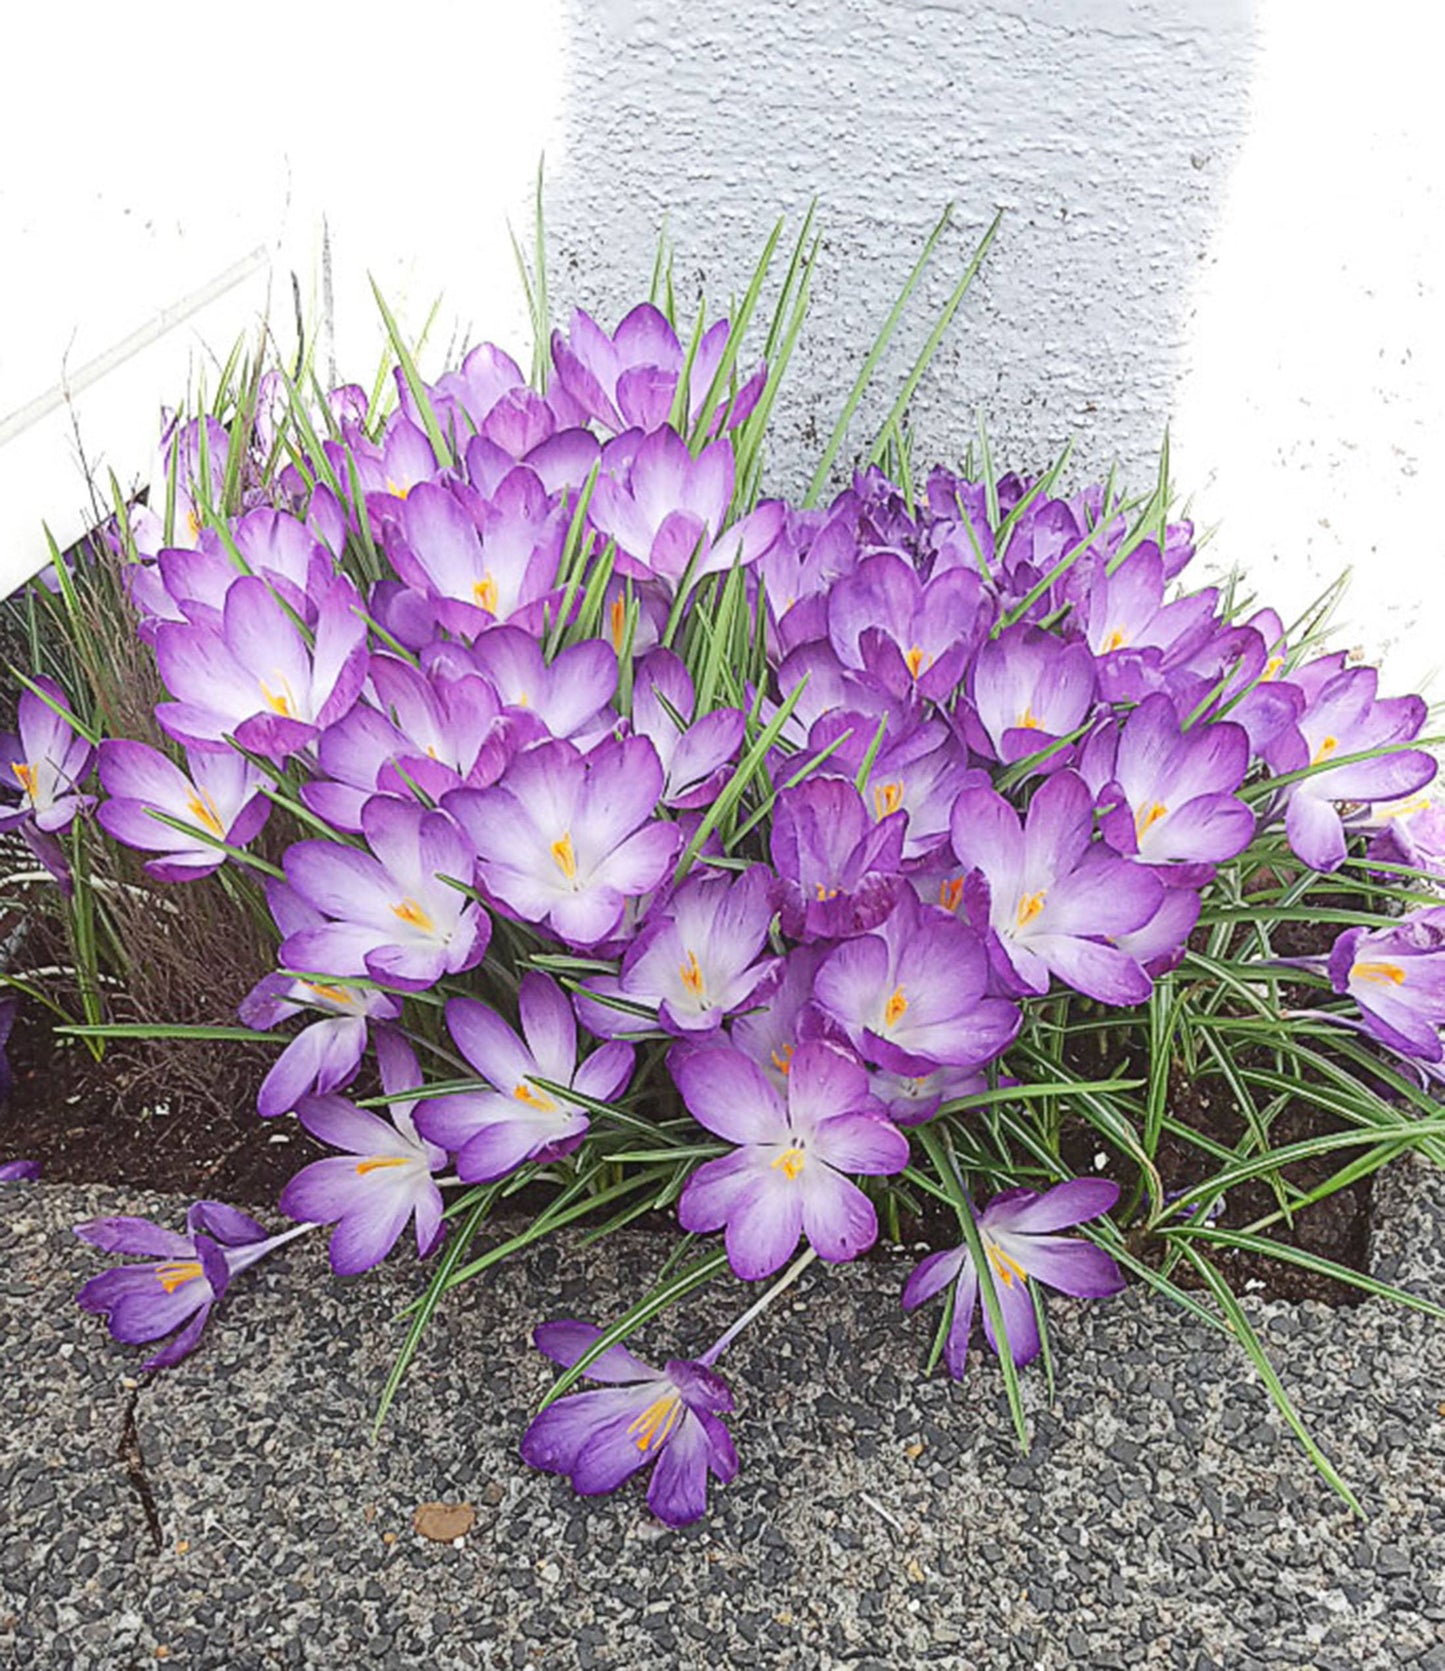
x,y
788,1174
567,839
1397,977
185,1275
383,1177
45,761
1053,897
634,1419
1345,717
493,1132
1018,1230
392,914
220,797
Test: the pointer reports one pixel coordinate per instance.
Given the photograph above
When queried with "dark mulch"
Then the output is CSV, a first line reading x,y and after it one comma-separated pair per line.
x,y
140,1117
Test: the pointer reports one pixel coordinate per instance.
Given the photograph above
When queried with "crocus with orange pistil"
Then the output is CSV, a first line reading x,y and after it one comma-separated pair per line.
x,y
636,1418
1397,977
492,1132
1018,1230
185,1275
788,1174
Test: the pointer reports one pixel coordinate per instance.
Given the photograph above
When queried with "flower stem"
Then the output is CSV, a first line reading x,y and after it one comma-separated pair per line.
x,y
730,1334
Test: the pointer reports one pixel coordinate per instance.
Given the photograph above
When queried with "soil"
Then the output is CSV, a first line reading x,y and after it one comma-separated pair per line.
x,y
185,1124
127,1120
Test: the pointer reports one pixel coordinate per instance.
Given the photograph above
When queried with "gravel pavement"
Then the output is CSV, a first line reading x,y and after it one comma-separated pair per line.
x,y
233,1513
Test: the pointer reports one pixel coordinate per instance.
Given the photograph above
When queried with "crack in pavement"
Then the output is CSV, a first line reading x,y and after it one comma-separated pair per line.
x,y
130,1453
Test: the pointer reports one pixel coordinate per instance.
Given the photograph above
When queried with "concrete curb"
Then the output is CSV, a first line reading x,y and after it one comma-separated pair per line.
x,y
1163,1518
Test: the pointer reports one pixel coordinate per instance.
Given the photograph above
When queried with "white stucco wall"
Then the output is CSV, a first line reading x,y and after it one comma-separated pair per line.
x,y
1219,214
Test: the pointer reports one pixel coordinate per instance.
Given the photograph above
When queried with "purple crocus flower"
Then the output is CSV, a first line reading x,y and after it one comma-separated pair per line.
x,y
1397,977
1169,791
667,513
567,839
494,1132
185,1276
19,1171
702,957
569,694
919,770
46,760
429,732
911,1099
770,1035
910,995
1018,1231
392,916
384,1176
258,679
629,380
221,797
1345,716
883,620
787,1174
482,559
1051,898
697,754
1410,832
636,1417
840,871
1136,635
1029,690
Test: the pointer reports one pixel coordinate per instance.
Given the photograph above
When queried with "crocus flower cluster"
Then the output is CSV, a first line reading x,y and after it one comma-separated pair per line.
x,y
613,813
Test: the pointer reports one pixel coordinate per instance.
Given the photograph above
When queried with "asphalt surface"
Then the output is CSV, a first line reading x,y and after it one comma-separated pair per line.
x,y
233,1512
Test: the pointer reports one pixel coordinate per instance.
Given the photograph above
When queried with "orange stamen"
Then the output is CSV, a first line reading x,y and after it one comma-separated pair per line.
x,y
1030,906
566,859
894,1010
1381,974
176,1276
789,1162
411,912
373,1162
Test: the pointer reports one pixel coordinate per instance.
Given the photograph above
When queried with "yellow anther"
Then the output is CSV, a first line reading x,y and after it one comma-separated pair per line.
x,y
1115,641
342,995
175,1276
1271,668
565,857
617,622
950,892
789,1162
1325,750
26,774
534,1098
783,1060
395,491
411,913
1147,817
485,592
279,702
895,1009
1007,1270
373,1162
1029,907
887,797
1029,720
915,659
1380,974
691,975
203,809
825,893
193,523
656,1422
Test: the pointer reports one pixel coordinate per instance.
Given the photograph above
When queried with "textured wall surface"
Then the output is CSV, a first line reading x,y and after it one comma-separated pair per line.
x,y
1105,130
1220,214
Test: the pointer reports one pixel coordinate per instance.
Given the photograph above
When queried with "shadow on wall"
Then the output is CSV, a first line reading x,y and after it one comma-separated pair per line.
x,y
1105,129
